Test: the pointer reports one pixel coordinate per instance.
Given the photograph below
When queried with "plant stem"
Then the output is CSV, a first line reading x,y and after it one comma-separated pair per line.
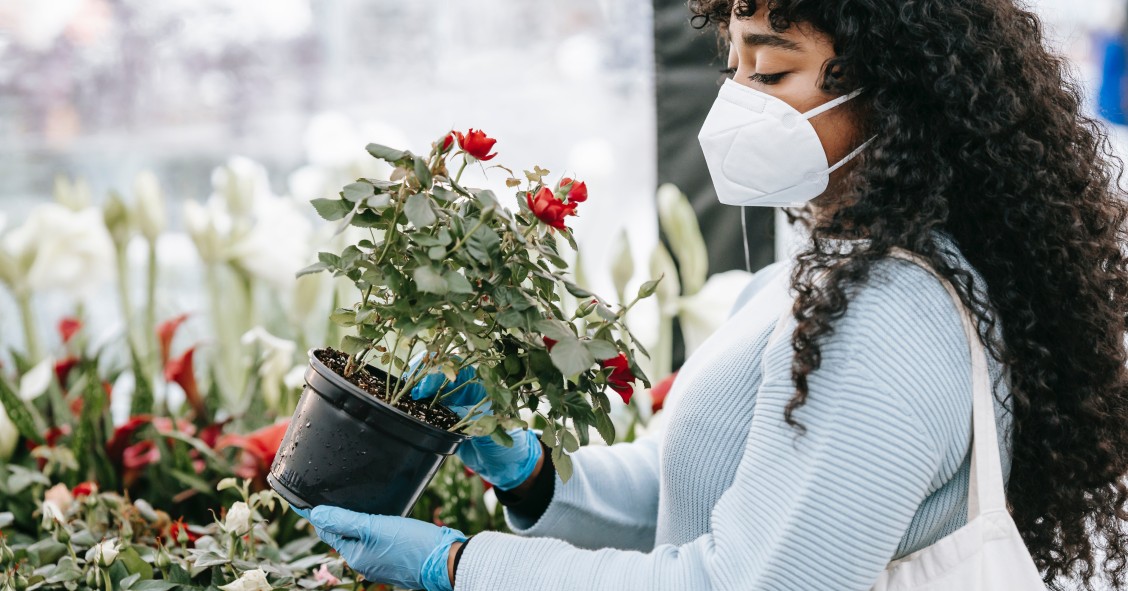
x,y
123,292
458,177
150,338
461,241
469,415
31,336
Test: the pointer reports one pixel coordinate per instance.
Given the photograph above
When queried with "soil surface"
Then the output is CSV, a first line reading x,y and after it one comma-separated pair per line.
x,y
371,380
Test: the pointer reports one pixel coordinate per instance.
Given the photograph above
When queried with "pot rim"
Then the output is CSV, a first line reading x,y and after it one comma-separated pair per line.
x,y
336,379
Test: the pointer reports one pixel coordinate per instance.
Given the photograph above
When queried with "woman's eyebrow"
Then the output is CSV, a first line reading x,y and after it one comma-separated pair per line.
x,y
751,38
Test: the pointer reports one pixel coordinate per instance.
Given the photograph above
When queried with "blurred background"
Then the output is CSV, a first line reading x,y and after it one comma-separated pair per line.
x,y
197,99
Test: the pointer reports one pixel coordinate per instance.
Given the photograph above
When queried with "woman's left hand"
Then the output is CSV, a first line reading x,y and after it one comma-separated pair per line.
x,y
404,552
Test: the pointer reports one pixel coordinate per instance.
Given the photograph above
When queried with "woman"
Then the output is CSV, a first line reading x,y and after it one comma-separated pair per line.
x,y
812,462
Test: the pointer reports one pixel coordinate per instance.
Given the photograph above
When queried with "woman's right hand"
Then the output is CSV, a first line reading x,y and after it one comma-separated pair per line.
x,y
506,467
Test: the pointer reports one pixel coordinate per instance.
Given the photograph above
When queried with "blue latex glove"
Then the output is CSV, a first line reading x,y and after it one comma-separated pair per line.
x,y
501,466
403,552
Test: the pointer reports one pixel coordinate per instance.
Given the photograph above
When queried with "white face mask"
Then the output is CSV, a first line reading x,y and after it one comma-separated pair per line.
x,y
761,151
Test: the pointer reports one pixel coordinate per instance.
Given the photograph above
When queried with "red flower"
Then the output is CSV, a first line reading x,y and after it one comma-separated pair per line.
x,y
476,143
659,392
165,333
549,209
84,488
63,368
548,343
181,371
123,435
577,190
178,526
137,456
621,380
53,434
68,327
448,141
259,448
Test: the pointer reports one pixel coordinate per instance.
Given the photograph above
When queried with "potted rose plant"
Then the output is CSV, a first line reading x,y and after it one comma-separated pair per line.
x,y
449,276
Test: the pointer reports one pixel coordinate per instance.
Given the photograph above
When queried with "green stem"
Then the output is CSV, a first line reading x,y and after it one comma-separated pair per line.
x,y
461,241
31,336
458,177
150,338
123,292
469,415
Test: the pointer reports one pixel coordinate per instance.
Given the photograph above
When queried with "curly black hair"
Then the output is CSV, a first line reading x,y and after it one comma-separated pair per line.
x,y
979,133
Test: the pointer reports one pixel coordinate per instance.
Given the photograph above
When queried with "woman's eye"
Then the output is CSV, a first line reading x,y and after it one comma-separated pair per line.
x,y
768,79
729,72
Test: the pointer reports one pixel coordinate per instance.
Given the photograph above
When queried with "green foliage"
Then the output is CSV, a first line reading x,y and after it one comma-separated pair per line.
x,y
474,284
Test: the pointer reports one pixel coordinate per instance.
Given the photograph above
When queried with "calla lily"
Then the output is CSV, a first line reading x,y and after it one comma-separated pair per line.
x,y
679,222
9,435
622,264
704,312
36,381
68,327
152,215
183,373
166,331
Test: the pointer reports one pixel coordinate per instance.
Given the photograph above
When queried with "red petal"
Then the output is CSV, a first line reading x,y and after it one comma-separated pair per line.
x,y
659,392
165,333
68,327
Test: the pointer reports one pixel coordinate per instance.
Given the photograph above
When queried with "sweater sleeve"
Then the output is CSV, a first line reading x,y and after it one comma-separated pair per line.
x,y
822,510
611,500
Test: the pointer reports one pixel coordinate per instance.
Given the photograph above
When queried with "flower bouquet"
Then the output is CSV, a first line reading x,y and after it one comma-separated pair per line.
x,y
450,277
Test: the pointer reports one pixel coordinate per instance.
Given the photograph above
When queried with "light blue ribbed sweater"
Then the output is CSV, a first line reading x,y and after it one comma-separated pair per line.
x,y
730,497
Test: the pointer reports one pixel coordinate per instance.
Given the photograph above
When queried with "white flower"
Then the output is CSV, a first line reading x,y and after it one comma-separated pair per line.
x,y
9,436
276,360
622,264
205,224
151,212
252,580
56,248
238,520
704,312
74,196
59,497
241,183
104,553
278,245
36,381
52,512
679,222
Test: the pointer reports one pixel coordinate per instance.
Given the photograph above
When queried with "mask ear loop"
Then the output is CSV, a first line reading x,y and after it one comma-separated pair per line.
x,y
744,234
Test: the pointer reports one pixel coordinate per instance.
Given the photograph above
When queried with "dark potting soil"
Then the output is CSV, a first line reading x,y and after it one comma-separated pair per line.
x,y
435,415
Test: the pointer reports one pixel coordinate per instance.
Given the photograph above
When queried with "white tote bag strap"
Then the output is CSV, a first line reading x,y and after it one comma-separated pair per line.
x,y
986,492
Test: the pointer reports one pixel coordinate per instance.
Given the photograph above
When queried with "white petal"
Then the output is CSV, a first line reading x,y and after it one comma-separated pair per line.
x,y
36,381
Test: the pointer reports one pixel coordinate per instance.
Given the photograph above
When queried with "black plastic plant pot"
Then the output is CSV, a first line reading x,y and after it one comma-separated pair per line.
x,y
347,448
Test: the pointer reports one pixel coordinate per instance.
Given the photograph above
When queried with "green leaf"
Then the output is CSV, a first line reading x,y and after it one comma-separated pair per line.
x,y
428,280
332,209
154,585
578,291
135,564
343,317
353,345
605,427
563,464
571,357
601,349
329,259
310,270
487,198
18,412
457,282
141,403
356,191
418,210
444,194
436,253
570,442
484,244
385,153
555,330
422,172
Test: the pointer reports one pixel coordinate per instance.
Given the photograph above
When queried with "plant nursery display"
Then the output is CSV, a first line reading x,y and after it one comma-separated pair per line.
x,y
453,279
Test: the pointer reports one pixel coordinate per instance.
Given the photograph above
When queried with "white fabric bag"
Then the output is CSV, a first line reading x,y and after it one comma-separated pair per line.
x,y
988,553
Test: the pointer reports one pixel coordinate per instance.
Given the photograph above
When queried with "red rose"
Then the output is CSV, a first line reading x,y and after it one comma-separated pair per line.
x,y
621,380
549,209
659,392
63,368
448,141
577,190
165,332
84,488
178,526
68,327
181,371
476,143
